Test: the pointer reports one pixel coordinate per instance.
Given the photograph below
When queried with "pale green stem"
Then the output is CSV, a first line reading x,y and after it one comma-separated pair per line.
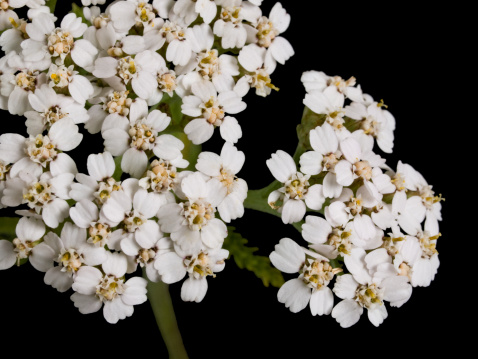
x,y
158,295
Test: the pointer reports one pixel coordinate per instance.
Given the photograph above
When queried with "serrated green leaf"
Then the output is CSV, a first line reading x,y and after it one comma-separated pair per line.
x,y
246,259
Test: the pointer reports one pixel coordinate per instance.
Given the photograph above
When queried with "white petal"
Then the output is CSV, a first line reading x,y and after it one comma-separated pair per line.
x,y
287,256
322,301
59,280
194,290
347,313
293,211
294,294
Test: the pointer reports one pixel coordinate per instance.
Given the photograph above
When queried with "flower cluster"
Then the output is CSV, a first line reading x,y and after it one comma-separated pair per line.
x,y
137,74
380,226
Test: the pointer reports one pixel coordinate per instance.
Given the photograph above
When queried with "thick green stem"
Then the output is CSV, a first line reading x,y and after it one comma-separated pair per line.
x,y
158,295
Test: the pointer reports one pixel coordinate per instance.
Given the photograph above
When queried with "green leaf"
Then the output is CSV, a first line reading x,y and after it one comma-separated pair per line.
x,y
245,258
7,227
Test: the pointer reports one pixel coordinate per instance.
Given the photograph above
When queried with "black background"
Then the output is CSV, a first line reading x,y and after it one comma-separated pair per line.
x,y
403,55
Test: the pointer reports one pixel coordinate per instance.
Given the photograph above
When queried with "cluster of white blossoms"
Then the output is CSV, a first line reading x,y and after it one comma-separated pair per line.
x,y
134,74
379,235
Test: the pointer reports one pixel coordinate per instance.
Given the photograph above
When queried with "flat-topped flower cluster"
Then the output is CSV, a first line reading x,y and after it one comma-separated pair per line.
x,y
380,226
122,74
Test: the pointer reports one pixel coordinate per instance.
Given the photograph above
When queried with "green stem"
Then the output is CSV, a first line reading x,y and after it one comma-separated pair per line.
x,y
257,200
158,295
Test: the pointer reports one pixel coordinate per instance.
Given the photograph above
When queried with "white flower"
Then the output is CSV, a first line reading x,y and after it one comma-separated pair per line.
x,y
295,191
132,211
317,80
372,281
173,267
207,62
50,108
32,155
125,14
118,73
357,162
70,251
113,102
209,109
374,121
192,224
28,233
324,157
224,168
252,58
146,254
47,196
189,10
329,102
417,258
79,87
231,27
45,41
312,284
18,86
85,214
267,31
138,137
93,288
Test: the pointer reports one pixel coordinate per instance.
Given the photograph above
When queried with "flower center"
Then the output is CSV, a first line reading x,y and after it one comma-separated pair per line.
x,y
60,43
369,296
126,68
297,186
428,197
145,256
26,81
329,161
41,150
100,21
105,188
399,181
159,177
363,169
145,13
172,31
60,75
428,244
340,240
52,115
99,234
118,102
4,5
318,273
340,83
142,136
109,288
167,81
336,119
133,221
266,32
213,112
370,126
70,260
354,206
38,194
231,14
389,245
208,64
227,179
261,81
4,169
198,214
22,248
199,265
